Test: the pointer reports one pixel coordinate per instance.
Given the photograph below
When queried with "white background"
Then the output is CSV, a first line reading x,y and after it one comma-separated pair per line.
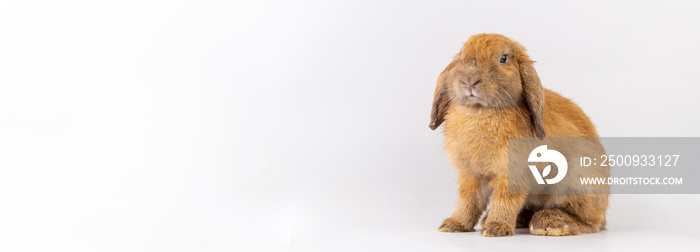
x,y
291,125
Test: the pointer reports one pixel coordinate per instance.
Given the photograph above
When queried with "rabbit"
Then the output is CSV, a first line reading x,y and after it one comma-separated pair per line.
x,y
491,92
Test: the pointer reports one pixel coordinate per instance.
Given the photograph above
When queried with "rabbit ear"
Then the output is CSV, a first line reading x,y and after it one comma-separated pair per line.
x,y
441,99
533,92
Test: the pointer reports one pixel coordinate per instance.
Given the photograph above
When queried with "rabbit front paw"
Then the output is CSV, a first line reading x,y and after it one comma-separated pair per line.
x,y
452,226
497,229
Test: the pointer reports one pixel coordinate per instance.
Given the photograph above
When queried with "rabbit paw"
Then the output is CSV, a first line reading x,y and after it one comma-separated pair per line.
x,y
552,223
452,226
497,229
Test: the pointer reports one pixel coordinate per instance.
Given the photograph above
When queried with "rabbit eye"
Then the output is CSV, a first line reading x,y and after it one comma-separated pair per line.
x,y
504,58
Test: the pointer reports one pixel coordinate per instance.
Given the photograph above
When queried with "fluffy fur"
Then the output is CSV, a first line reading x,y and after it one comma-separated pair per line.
x,y
490,92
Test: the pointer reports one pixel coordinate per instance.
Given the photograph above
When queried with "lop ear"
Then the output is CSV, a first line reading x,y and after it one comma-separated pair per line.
x,y
441,99
533,92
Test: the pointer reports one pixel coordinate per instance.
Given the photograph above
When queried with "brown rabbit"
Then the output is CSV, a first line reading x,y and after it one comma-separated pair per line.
x,y
491,92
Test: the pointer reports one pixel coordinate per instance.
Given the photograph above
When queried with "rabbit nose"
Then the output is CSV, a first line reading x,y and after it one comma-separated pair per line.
x,y
470,88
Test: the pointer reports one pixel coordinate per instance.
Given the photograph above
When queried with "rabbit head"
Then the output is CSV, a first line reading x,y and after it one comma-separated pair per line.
x,y
490,71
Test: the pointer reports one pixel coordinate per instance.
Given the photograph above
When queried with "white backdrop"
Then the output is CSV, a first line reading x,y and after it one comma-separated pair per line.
x,y
294,125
